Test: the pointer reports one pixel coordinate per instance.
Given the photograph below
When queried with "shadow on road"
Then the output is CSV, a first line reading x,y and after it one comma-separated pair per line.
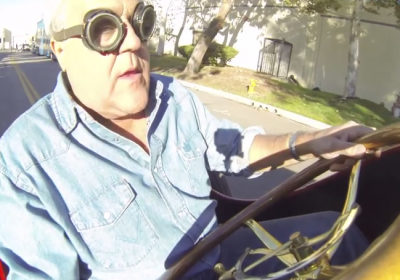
x,y
25,59
4,55
41,77
44,80
14,57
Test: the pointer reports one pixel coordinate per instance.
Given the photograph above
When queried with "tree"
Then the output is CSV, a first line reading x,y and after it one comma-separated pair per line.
x,y
372,6
216,24
162,9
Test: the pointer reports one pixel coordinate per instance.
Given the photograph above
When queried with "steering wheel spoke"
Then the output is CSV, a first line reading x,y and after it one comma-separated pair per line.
x,y
270,242
308,264
351,198
298,253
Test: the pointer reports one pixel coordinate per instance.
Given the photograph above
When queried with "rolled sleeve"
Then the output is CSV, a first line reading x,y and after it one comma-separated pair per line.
x,y
247,140
31,243
228,144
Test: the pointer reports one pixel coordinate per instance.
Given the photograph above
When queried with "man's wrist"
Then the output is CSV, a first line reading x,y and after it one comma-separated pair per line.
x,y
301,146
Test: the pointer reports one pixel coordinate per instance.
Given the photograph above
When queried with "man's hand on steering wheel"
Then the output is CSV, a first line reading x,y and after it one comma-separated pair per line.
x,y
335,141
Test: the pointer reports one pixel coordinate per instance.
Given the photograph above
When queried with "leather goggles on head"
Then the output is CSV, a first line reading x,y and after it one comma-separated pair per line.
x,y
103,30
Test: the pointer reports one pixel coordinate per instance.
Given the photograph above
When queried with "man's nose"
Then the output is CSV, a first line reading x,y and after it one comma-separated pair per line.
x,y
131,41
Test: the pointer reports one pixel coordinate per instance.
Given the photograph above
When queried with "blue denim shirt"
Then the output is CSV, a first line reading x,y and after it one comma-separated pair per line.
x,y
78,201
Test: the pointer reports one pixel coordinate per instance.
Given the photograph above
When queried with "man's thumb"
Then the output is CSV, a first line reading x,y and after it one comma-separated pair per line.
x,y
354,150
339,147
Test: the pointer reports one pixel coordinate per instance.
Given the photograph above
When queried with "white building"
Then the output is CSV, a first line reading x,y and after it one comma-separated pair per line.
x,y
314,49
5,38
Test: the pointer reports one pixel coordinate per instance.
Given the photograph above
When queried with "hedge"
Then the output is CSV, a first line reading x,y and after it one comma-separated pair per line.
x,y
216,54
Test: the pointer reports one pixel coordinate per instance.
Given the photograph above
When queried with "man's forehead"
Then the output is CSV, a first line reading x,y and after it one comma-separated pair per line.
x,y
76,9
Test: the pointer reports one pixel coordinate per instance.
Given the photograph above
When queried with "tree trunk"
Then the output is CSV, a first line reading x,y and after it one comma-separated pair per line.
x,y
178,37
194,63
163,27
354,52
161,35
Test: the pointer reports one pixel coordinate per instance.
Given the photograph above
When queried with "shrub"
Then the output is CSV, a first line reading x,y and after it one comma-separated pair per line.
x,y
186,51
216,54
228,53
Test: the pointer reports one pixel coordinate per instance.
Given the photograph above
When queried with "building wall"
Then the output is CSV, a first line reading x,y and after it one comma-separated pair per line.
x,y
320,44
6,38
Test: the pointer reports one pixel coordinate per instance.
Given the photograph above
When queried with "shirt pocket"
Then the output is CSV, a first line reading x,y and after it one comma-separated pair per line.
x,y
192,154
114,228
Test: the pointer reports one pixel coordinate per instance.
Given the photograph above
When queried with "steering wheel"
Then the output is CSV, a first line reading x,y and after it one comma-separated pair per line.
x,y
380,261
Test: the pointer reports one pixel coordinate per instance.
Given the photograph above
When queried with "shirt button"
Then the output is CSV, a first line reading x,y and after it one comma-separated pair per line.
x,y
181,214
107,215
155,170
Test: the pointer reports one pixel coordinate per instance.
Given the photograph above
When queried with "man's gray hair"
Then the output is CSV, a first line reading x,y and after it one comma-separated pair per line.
x,y
55,18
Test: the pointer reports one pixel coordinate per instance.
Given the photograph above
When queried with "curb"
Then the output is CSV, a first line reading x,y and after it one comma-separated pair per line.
x,y
258,105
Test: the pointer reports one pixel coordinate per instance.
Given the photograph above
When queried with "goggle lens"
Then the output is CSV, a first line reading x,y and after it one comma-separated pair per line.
x,y
103,31
148,23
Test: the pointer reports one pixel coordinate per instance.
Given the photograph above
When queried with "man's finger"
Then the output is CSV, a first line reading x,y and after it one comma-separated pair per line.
x,y
348,163
337,167
339,147
374,153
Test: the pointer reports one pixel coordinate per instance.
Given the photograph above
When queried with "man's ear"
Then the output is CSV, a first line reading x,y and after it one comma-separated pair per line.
x,y
58,50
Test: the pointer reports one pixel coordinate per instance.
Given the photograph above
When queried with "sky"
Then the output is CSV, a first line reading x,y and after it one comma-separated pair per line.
x,y
21,16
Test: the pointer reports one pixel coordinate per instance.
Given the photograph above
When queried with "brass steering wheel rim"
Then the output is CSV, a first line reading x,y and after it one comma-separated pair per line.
x,y
380,261
371,265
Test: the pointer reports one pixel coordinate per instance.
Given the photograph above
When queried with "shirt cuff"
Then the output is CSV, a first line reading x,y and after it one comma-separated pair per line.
x,y
242,163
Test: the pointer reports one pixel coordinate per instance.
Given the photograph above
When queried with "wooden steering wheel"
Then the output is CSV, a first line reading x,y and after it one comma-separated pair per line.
x,y
380,261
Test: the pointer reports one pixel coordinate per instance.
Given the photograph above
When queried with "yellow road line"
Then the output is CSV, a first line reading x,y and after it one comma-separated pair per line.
x,y
30,91
28,82
27,91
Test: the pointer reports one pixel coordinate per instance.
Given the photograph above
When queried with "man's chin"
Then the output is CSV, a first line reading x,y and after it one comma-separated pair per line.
x,y
131,100
131,109
132,116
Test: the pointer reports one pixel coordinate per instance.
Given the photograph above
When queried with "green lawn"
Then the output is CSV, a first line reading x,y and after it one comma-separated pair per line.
x,y
321,106
326,107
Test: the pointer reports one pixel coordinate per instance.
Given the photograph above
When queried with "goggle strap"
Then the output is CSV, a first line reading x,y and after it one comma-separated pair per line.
x,y
70,32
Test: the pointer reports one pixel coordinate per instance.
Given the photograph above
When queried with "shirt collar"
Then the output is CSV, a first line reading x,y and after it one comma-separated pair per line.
x,y
63,106
66,110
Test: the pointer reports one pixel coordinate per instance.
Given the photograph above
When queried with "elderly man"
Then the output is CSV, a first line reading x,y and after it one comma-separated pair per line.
x,y
106,177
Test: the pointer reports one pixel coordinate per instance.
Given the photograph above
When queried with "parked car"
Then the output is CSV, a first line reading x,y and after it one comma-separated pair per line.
x,y
53,56
25,48
34,49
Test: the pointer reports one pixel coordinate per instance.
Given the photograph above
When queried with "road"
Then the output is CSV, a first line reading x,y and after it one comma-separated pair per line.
x,y
24,78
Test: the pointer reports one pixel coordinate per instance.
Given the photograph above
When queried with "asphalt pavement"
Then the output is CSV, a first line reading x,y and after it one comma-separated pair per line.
x,y
24,78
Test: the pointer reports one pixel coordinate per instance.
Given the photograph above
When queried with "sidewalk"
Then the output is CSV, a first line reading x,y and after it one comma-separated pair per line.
x,y
258,105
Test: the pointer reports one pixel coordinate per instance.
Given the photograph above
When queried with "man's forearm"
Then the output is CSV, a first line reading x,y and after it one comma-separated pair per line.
x,y
272,151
